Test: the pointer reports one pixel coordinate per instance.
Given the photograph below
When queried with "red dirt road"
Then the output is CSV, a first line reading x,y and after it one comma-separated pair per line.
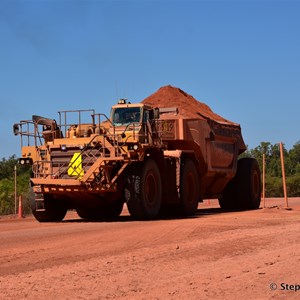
x,y
214,255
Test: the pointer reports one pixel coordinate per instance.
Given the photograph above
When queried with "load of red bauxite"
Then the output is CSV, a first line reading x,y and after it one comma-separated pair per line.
x,y
188,106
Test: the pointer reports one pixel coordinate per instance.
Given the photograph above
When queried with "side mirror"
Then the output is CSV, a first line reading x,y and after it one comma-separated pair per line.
x,y
16,129
156,113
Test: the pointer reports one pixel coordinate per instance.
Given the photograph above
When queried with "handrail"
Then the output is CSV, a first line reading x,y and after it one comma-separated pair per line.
x,y
30,131
86,152
63,124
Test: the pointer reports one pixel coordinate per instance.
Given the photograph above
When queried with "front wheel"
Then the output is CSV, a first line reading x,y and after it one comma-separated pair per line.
x,y
105,210
48,208
143,191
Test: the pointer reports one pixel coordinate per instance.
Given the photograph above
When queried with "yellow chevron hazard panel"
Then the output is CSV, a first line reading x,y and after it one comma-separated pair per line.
x,y
75,166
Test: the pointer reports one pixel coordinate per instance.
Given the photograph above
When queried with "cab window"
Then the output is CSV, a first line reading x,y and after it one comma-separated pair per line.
x,y
126,115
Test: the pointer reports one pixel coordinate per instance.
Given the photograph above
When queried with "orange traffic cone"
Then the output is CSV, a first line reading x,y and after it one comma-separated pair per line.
x,y
20,214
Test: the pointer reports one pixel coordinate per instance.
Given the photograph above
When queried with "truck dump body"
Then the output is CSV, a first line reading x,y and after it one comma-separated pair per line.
x,y
190,108
216,142
215,146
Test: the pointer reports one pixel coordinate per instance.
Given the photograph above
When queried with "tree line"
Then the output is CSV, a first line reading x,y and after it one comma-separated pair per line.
x,y
8,181
274,187
273,179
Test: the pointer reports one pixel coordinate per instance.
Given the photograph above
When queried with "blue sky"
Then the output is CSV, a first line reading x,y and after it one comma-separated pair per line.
x,y
242,58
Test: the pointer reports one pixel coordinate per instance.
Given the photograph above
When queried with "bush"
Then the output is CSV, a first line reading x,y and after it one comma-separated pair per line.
x,y
293,186
7,192
7,197
274,187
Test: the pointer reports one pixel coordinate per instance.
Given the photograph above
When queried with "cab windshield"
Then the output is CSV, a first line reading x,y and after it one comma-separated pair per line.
x,y
126,115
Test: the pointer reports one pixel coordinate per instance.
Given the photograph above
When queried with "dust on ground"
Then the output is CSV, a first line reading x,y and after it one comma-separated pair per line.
x,y
213,255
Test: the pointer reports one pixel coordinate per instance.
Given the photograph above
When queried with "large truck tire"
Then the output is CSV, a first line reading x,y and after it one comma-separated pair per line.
x,y
107,210
243,192
114,209
189,188
53,210
143,191
249,188
87,212
229,198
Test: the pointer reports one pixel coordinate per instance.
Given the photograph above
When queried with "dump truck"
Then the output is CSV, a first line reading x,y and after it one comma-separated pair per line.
x,y
150,158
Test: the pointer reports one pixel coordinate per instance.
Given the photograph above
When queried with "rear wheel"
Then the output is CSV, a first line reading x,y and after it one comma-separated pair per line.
x,y
54,208
228,198
244,190
143,191
189,188
249,188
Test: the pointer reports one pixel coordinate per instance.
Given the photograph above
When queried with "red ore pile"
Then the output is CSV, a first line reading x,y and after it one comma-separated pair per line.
x,y
188,106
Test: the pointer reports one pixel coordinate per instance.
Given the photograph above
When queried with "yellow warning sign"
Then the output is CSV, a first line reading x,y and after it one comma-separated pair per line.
x,y
75,166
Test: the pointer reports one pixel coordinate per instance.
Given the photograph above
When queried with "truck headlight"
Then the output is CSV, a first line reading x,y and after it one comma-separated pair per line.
x,y
133,147
25,161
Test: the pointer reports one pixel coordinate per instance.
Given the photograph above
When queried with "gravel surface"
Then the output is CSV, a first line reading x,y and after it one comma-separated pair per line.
x,y
214,255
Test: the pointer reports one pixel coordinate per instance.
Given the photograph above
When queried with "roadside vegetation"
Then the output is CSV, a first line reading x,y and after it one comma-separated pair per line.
x,y
274,186
7,185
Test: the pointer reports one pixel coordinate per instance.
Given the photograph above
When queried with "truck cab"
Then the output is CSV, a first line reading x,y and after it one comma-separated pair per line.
x,y
132,122
125,113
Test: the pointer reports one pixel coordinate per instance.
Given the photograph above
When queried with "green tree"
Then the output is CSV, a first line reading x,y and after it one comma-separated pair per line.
x,y
7,202
7,184
293,185
273,166
294,155
7,167
274,186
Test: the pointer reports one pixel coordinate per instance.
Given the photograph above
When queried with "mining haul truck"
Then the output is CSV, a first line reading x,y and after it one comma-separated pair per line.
x,y
149,158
